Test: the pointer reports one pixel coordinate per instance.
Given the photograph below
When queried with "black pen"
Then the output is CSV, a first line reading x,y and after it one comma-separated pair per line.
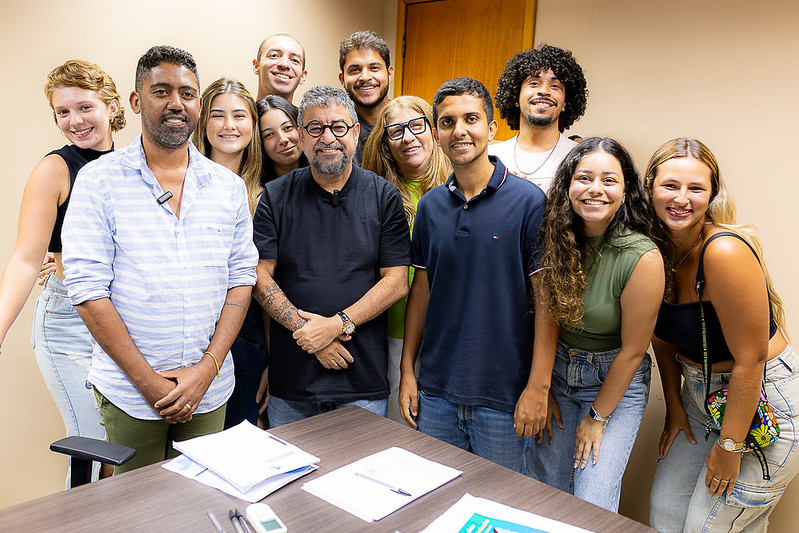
x,y
243,522
235,520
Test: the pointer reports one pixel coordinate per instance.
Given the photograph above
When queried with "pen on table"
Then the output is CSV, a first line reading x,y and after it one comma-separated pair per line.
x,y
390,487
235,520
215,522
243,522
284,443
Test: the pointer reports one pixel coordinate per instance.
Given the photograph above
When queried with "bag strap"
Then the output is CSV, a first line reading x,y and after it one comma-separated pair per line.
x,y
700,285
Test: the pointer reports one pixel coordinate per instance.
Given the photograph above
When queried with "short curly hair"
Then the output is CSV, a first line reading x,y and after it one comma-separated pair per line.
x,y
533,61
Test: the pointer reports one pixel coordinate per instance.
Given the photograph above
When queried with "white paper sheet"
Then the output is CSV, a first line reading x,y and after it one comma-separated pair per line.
x,y
477,515
187,468
372,499
245,455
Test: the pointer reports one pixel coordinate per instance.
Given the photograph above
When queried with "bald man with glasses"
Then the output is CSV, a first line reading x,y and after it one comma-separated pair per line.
x,y
334,253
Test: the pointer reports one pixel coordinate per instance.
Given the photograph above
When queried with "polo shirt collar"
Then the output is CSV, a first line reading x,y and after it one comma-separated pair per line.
x,y
498,178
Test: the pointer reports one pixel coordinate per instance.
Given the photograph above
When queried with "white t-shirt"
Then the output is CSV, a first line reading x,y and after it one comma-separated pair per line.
x,y
535,167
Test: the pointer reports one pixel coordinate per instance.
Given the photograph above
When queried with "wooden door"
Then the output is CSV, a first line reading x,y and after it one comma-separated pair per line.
x,y
442,39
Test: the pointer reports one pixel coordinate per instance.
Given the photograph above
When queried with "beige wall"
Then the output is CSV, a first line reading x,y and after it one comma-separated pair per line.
x,y
37,35
711,69
721,71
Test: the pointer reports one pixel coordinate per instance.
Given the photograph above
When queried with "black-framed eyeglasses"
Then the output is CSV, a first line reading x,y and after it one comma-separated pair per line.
x,y
339,128
416,126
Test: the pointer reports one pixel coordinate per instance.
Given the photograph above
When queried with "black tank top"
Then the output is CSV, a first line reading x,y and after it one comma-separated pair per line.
x,y
75,158
680,325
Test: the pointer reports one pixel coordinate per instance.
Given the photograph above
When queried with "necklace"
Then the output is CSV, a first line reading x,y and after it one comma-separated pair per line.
x,y
516,161
674,268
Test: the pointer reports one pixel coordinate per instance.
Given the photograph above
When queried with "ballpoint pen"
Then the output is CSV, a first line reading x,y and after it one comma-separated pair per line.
x,y
235,520
243,521
215,522
390,487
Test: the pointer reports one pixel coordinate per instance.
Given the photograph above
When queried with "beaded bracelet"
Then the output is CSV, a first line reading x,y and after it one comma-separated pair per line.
x,y
215,363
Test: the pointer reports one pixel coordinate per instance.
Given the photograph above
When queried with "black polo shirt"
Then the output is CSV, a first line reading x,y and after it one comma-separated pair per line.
x,y
329,253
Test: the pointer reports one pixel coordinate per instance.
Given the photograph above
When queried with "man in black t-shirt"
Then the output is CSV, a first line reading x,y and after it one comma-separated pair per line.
x,y
334,254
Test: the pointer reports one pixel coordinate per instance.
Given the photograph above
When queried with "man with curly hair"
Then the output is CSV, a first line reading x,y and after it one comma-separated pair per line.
x,y
541,93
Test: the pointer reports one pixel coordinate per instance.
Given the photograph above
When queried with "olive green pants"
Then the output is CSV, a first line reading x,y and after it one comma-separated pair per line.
x,y
153,439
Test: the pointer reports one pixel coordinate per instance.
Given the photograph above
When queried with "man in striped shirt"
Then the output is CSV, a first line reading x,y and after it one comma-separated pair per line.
x,y
159,262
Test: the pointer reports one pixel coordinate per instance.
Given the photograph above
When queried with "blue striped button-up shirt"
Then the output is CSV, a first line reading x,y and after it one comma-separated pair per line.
x,y
166,276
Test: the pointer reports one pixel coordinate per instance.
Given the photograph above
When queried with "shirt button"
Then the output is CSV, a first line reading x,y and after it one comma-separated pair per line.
x,y
466,206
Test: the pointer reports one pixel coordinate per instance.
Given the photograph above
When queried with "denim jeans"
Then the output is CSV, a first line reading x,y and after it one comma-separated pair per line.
x,y
63,348
487,432
576,380
679,499
282,411
249,362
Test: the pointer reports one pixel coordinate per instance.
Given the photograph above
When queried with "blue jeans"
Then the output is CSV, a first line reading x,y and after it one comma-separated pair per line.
x,y
249,362
63,348
282,411
679,499
576,380
487,432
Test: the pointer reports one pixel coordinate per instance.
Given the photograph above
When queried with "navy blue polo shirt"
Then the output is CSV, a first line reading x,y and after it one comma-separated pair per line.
x,y
478,331
329,253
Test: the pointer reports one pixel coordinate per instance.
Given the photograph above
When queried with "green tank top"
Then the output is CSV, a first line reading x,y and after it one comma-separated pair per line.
x,y
601,327
395,326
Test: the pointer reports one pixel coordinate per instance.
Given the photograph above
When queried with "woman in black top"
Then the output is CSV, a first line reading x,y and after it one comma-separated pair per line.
x,y
708,484
86,108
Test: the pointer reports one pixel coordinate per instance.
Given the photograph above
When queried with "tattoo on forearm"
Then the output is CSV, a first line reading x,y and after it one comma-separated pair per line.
x,y
278,306
236,305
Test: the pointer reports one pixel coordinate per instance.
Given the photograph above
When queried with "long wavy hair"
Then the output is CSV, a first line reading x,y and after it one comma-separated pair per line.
x,y
721,212
377,154
250,168
568,258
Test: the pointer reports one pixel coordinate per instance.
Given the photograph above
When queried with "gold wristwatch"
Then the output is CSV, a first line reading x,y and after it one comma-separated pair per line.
x,y
730,445
349,326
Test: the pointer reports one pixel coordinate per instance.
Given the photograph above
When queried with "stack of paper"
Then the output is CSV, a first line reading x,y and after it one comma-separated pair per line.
x,y
243,461
376,486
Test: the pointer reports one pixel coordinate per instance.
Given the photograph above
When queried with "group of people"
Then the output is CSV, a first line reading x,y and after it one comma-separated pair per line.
x,y
356,248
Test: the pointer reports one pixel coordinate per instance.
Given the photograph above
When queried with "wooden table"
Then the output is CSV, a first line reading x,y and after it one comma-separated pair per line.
x,y
153,499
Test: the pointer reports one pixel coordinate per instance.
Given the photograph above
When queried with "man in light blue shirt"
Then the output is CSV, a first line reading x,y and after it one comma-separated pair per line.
x,y
159,262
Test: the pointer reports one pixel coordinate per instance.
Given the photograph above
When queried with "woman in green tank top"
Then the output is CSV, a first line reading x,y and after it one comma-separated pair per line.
x,y
596,298
401,148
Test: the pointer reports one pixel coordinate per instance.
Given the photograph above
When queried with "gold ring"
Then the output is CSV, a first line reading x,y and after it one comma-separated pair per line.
x,y
187,405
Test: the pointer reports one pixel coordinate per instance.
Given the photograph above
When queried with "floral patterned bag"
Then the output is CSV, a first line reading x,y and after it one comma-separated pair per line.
x,y
764,429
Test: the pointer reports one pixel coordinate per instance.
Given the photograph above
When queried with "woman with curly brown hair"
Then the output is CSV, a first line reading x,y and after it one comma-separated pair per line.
x,y
601,284
86,108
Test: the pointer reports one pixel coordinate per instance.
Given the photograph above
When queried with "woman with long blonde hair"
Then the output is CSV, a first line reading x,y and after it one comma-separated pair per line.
x,y
86,108
227,133
401,148
721,312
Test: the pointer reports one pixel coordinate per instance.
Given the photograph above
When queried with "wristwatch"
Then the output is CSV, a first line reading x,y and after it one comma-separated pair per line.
x,y
730,445
349,326
599,418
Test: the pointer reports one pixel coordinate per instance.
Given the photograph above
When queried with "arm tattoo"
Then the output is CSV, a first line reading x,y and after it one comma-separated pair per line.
x,y
275,303
236,305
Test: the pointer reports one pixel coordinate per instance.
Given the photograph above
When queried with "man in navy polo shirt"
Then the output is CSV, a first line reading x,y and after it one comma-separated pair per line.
x,y
334,252
474,247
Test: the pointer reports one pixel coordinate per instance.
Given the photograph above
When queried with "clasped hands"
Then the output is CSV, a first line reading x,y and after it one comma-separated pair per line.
x,y
176,394
322,336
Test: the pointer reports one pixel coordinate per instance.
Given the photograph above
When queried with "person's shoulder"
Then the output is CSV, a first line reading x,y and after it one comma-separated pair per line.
x,y
626,238
287,182
525,189
730,247
502,147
